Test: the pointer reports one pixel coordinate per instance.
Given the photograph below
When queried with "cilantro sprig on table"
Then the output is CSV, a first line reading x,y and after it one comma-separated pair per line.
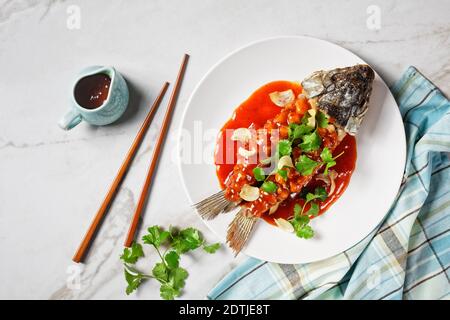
x,y
301,219
168,271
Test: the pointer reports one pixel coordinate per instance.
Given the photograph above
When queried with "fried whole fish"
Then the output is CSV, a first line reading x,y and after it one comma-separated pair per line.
x,y
343,95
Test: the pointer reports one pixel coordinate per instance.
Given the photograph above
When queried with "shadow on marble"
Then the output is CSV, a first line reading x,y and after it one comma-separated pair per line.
x,y
136,98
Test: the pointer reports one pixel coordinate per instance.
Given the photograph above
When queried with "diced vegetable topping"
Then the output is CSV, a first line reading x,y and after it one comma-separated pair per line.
x,y
269,186
259,174
283,173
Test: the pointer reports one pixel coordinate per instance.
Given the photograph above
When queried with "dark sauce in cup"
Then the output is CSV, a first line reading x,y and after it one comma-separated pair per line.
x,y
92,91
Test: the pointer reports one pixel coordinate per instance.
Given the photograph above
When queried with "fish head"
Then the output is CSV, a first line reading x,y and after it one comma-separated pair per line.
x,y
341,93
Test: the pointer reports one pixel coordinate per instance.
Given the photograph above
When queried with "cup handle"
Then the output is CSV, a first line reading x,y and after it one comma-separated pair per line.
x,y
70,120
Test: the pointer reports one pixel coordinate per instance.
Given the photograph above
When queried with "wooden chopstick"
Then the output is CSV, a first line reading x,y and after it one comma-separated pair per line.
x,y
156,152
85,243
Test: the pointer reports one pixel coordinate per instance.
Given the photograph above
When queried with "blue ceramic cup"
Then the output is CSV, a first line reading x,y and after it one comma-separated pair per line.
x,y
111,109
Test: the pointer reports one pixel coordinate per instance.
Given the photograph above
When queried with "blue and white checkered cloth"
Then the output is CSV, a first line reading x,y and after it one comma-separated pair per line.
x,y
408,256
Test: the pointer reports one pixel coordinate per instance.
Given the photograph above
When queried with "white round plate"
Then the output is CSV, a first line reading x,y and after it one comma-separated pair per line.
x,y
381,146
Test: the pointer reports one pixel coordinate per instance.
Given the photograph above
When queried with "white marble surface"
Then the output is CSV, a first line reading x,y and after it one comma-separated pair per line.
x,y
52,181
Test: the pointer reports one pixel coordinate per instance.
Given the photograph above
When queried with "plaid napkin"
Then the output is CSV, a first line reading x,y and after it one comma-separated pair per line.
x,y
408,256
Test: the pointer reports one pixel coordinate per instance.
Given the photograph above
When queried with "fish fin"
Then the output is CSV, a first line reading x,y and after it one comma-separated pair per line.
x,y
239,230
230,207
212,206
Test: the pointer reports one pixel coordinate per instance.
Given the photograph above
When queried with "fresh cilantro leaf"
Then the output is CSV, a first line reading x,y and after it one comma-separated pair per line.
x,y
328,159
156,236
301,227
291,132
168,271
328,166
321,193
186,240
211,248
298,130
284,148
303,220
160,272
269,186
167,292
179,244
305,232
259,174
310,197
283,173
322,119
131,255
176,282
305,166
134,281
311,142
172,259
300,220
178,277
313,210
326,155
297,210
299,223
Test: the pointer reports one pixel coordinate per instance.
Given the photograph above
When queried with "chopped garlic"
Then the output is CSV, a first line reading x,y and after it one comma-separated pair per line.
x,y
331,128
274,208
329,180
324,178
341,134
249,193
312,118
285,161
241,134
246,153
313,103
333,174
282,98
284,225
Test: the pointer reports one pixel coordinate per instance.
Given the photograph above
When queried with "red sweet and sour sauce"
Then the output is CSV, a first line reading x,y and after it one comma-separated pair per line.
x,y
254,112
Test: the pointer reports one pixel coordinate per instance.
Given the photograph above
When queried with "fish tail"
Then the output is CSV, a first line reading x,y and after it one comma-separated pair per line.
x,y
240,229
212,206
